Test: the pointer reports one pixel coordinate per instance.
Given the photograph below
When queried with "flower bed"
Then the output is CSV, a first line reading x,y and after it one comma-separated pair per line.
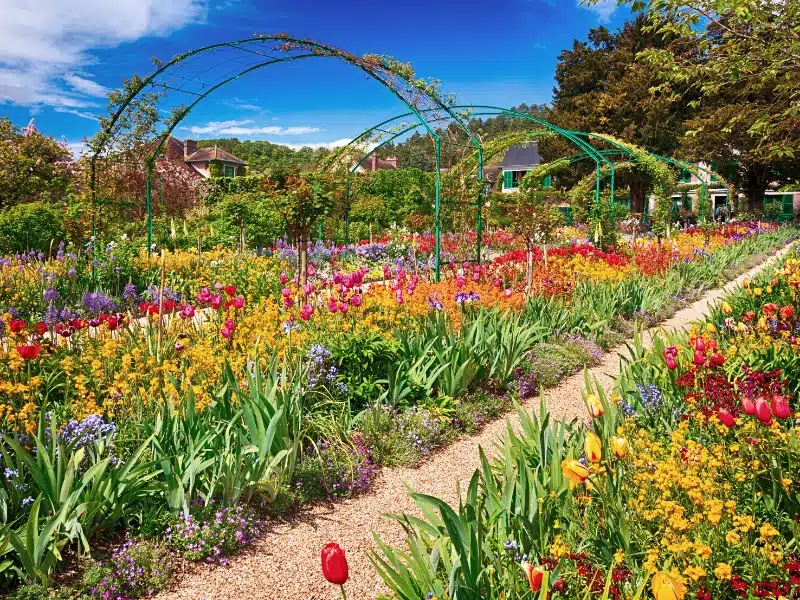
x,y
683,484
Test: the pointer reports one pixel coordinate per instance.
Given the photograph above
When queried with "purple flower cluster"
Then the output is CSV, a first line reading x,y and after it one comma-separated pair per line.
x,y
87,432
96,303
135,570
210,533
322,371
467,297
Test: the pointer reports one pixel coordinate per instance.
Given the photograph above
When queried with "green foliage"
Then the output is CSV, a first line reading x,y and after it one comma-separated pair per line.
x,y
264,157
32,167
215,169
31,226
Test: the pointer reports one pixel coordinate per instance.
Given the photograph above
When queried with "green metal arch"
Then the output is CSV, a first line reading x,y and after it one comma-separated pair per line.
x,y
316,50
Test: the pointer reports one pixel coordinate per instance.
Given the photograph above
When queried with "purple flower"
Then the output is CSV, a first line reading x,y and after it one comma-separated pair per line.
x,y
96,303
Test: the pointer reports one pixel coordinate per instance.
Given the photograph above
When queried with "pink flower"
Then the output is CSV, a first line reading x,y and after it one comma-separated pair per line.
x,y
204,296
216,302
671,364
726,417
762,411
699,357
460,281
748,407
288,301
187,312
308,289
507,292
780,406
218,286
355,300
284,279
343,307
286,292
398,296
332,305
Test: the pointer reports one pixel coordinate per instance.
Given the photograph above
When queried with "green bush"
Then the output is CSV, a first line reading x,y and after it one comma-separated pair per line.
x,y
31,226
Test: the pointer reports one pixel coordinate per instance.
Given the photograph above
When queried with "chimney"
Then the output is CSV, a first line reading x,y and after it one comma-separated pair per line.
x,y
392,160
189,148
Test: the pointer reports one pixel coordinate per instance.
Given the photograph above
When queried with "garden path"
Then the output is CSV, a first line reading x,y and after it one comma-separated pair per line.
x,y
285,563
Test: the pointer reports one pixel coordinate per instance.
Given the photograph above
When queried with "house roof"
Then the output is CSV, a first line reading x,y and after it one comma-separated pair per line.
x,y
208,154
522,157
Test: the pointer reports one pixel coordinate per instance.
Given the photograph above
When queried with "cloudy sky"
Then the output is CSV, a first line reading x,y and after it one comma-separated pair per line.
x,y
59,58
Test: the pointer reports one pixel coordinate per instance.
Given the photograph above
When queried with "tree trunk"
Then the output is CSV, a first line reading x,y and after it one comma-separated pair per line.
x,y
755,186
530,270
638,196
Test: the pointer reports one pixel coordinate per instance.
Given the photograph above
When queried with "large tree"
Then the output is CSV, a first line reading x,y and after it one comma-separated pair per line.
x,y
32,166
747,72
600,87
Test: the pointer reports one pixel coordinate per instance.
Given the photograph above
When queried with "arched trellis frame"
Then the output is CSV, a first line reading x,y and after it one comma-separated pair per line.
x,y
359,149
703,174
180,79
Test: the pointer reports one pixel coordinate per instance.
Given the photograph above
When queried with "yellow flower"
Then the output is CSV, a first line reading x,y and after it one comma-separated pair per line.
x,y
767,531
723,571
574,471
668,586
727,308
619,445
593,448
619,556
694,573
732,538
595,406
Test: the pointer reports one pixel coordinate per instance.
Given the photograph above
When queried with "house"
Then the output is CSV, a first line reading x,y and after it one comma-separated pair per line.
x,y
785,205
517,162
201,159
373,163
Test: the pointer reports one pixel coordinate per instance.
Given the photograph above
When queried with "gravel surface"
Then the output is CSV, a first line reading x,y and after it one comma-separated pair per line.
x,y
285,563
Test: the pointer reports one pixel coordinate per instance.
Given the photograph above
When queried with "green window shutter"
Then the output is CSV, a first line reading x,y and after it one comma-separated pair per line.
x,y
788,205
686,176
230,171
547,182
508,180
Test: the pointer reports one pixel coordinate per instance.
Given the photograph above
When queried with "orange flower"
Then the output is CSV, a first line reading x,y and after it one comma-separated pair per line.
x,y
535,576
595,406
593,447
574,471
668,587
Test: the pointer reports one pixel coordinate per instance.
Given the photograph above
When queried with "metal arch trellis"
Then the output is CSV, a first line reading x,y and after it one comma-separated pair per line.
x,y
702,173
421,98
358,143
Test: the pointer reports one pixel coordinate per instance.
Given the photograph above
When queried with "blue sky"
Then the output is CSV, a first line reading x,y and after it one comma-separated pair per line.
x,y
58,58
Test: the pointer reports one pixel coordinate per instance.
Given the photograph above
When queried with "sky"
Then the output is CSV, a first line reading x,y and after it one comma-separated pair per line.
x,y
59,59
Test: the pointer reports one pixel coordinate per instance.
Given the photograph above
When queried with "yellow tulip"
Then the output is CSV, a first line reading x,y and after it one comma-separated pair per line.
x,y
668,587
727,308
595,406
757,292
769,289
711,328
619,445
574,471
593,447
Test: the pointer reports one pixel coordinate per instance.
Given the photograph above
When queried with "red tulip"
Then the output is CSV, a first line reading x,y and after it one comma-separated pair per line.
x,y
726,417
284,279
29,352
699,344
230,290
671,364
769,309
748,407
535,576
16,325
780,406
334,564
699,357
41,328
786,312
762,410
717,360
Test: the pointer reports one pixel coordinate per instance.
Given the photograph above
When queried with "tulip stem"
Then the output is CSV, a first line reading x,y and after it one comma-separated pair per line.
x,y
344,596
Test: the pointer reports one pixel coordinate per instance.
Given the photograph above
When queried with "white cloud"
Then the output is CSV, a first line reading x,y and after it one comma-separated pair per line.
x,y
85,86
40,40
604,9
77,113
328,145
234,127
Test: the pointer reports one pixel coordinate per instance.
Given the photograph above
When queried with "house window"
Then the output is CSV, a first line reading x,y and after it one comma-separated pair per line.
x,y
230,171
511,179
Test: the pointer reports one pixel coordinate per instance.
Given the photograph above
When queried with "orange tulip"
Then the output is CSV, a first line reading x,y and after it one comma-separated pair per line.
x,y
593,447
668,587
535,575
595,406
574,471
619,445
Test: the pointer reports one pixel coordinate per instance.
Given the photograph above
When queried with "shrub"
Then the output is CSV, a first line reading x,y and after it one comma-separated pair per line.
x,y
335,471
32,226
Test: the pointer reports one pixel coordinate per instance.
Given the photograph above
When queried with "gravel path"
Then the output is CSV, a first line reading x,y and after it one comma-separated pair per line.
x,y
284,564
